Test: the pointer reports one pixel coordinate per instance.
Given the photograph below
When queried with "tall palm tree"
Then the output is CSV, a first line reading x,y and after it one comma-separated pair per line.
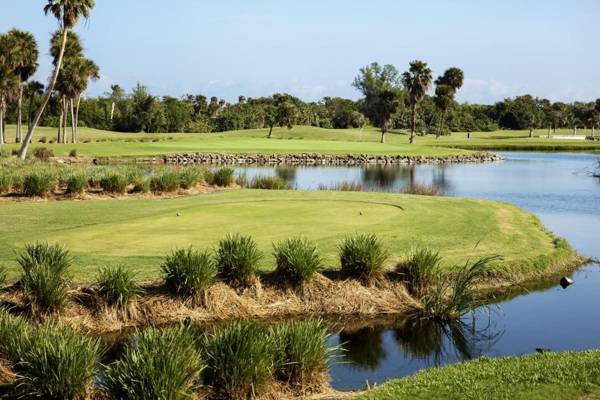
x,y
67,13
32,90
87,70
21,57
417,81
446,87
9,86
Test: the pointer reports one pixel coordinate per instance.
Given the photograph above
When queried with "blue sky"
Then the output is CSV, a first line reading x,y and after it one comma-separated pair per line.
x,y
314,48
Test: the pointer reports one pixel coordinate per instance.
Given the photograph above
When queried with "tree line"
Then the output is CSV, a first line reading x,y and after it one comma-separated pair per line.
x,y
391,100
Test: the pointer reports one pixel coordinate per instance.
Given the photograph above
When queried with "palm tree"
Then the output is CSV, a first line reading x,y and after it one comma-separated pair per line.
x,y
32,89
9,85
88,70
67,13
21,57
417,81
446,87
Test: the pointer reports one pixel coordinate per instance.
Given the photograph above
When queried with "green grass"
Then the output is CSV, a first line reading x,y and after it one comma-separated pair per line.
x,y
303,139
544,376
140,233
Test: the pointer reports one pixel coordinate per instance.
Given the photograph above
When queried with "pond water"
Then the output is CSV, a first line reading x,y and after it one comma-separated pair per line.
x,y
555,186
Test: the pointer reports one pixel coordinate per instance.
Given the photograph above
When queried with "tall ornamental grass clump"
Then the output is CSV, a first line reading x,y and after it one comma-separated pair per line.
x,y
114,182
188,272
117,286
13,331
77,183
56,363
3,275
190,176
39,183
301,352
363,257
297,259
420,270
7,182
45,276
269,183
239,360
166,180
223,177
237,259
156,364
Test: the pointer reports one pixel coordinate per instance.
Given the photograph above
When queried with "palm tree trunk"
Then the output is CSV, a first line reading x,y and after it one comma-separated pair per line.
x,y
270,131
383,131
49,89
77,118
60,124
112,111
413,124
19,115
2,120
72,106
66,120
442,124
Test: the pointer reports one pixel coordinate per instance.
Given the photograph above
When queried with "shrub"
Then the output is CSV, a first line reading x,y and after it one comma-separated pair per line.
x,y
43,153
188,272
13,332
156,364
73,153
164,181
43,139
239,360
56,363
45,278
420,270
269,182
39,183
237,259
77,183
114,183
190,176
301,352
422,190
223,177
297,259
362,257
117,286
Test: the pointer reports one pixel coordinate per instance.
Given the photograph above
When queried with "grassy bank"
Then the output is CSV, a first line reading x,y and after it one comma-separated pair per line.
x,y
139,233
543,376
303,139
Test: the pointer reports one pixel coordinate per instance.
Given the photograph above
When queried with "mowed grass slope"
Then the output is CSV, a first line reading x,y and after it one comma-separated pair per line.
x,y
139,233
303,139
543,376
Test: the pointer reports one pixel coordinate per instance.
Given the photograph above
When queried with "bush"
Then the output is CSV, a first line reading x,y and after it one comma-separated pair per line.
x,y
45,278
43,139
237,259
190,176
43,153
56,363
362,257
297,259
239,360
164,181
188,272
301,352
114,183
420,270
223,177
77,183
268,182
73,153
39,183
156,364
117,286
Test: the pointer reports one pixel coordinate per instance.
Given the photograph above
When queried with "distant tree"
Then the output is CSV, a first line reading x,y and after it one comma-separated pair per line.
x,y
446,87
9,87
32,90
417,81
20,53
270,117
67,13
287,114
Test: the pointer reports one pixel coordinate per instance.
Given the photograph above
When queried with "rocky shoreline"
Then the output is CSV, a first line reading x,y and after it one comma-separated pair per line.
x,y
324,159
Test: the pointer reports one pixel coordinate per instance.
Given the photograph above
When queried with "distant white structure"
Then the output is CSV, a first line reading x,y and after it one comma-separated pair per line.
x,y
564,137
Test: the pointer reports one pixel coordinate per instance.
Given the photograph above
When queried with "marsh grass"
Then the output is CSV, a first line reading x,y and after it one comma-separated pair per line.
x,y
345,186
301,352
114,182
117,286
422,190
77,183
156,364
39,183
165,181
190,176
56,363
363,257
268,183
237,259
13,330
3,276
188,272
7,182
223,177
240,360
297,259
43,153
420,270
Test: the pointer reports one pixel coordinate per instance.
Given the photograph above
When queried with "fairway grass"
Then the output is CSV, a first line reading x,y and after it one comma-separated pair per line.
x,y
139,233
542,376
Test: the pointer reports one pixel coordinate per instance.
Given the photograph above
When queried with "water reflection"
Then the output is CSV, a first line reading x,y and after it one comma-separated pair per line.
x,y
363,348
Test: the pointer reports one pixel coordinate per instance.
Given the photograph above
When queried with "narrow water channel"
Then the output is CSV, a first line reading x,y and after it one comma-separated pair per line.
x,y
555,186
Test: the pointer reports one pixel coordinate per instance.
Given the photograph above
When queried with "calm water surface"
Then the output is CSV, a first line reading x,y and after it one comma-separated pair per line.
x,y
556,187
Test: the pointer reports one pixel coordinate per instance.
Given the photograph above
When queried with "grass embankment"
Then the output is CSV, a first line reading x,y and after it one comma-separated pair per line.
x,y
139,233
542,376
305,139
